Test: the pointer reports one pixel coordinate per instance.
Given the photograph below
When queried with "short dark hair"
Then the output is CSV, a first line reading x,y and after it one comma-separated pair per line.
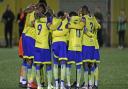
x,y
60,14
85,7
73,13
42,6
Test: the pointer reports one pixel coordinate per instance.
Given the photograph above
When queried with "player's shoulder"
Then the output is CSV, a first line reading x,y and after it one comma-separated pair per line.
x,y
43,19
75,19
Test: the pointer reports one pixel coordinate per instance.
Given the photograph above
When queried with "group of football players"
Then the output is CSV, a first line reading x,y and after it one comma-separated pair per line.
x,y
53,42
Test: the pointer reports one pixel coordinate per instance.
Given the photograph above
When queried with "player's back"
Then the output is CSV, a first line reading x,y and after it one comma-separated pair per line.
x,y
88,30
42,33
75,35
60,32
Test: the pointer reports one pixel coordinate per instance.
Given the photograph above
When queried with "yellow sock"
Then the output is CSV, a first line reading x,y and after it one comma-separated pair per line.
x,y
33,73
96,75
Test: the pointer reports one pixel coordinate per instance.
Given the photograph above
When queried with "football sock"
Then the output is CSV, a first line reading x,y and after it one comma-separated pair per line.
x,y
86,75
38,75
29,70
55,70
49,74
96,75
42,72
91,76
23,77
78,75
33,73
68,74
63,69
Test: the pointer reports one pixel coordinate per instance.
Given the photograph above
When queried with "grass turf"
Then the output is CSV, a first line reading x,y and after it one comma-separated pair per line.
x,y
113,69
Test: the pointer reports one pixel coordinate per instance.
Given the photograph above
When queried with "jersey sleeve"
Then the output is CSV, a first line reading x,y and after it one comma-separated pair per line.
x,y
54,25
97,25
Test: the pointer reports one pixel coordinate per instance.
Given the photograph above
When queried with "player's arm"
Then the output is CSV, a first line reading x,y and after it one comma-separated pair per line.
x,y
53,26
61,33
76,26
88,33
97,25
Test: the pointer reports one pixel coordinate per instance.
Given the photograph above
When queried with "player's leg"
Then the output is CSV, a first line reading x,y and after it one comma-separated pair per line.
x,y
25,55
91,67
96,72
78,60
91,75
63,60
96,75
23,77
33,76
71,60
38,75
31,70
86,75
68,75
49,75
55,49
43,78
86,57
78,67
38,64
63,70
55,72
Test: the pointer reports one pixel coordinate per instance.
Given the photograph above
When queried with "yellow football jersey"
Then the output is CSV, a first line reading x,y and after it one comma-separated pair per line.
x,y
30,29
59,33
88,36
42,33
26,23
31,32
75,34
97,27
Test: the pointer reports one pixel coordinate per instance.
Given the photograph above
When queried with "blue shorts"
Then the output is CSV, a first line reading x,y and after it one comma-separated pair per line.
x,y
42,56
60,50
25,45
74,57
88,53
97,55
28,46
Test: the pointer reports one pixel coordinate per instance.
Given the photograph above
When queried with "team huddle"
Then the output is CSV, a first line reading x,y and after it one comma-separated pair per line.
x,y
53,43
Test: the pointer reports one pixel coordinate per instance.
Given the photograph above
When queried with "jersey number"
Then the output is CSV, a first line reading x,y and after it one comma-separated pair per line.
x,y
59,28
39,28
91,24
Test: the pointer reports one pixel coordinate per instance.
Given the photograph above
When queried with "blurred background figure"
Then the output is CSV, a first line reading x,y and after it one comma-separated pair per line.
x,y
21,20
100,19
8,18
122,21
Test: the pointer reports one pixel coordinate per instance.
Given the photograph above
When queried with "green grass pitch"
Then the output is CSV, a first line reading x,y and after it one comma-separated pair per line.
x,y
113,69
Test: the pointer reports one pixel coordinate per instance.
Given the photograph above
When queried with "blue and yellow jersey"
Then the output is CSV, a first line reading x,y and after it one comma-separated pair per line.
x,y
59,31
97,27
75,33
42,33
88,36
